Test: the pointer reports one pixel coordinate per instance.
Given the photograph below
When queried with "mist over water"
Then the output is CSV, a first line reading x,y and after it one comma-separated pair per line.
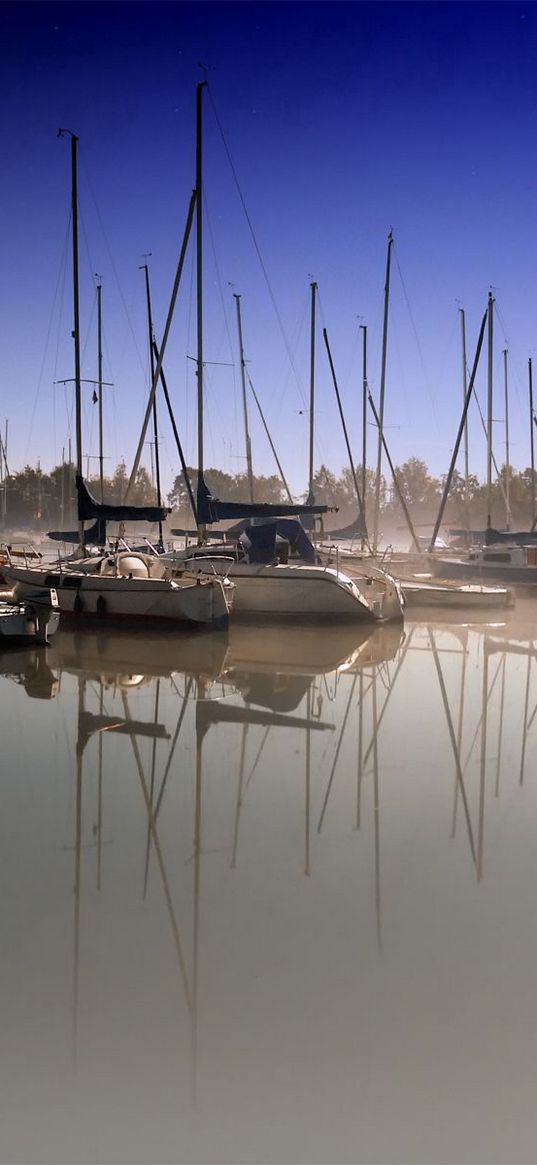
x,y
269,896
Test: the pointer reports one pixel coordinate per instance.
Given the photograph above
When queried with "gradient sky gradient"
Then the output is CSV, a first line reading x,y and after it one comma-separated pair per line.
x,y
342,120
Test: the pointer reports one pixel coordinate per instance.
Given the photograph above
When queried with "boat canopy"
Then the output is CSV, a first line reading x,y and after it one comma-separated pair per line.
x,y
211,509
89,507
260,541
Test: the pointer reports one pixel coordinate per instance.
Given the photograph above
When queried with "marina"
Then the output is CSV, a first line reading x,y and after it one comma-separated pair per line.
x,y
268,584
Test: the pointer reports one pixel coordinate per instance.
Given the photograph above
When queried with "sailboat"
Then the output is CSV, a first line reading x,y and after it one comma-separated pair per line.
x,y
501,556
265,586
125,587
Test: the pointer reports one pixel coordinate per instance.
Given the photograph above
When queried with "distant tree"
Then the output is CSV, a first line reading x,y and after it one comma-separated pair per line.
x,y
418,488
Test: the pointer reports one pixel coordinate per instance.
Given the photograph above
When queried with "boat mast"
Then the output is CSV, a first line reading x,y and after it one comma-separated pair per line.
x,y
363,329
489,408
532,444
100,380
382,389
199,275
76,311
249,471
464,391
313,287
4,474
145,269
507,465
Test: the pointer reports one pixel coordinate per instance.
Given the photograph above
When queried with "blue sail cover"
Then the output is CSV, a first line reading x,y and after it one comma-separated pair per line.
x,y
260,540
95,536
89,507
211,509
494,537
512,538
356,529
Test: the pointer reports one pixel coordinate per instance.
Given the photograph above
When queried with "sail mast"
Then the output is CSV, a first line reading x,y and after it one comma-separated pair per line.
x,y
507,465
199,271
489,408
249,471
382,389
464,390
363,329
313,287
532,444
145,269
76,310
100,381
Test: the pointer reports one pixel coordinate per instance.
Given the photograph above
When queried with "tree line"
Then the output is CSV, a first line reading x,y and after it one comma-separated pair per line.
x,y
44,501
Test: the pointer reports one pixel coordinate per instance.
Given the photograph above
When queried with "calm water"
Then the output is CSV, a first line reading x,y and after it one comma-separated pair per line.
x,y
271,896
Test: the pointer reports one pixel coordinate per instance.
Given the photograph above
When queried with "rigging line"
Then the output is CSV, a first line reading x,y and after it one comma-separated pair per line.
x,y
60,280
418,345
479,722
258,757
88,329
296,341
92,269
322,320
224,312
512,367
256,245
113,265
189,459
58,334
494,462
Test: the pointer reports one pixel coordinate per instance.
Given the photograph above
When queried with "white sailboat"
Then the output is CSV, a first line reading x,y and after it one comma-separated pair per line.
x,y
281,590
267,588
125,586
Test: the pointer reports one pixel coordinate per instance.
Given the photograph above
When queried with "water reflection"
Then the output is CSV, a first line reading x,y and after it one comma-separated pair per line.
x,y
29,667
287,851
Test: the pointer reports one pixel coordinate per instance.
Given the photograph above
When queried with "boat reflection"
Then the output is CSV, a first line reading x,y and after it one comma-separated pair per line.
x,y
268,680
194,729
30,667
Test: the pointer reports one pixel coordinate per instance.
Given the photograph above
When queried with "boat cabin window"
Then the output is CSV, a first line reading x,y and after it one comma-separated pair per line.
x,y
496,556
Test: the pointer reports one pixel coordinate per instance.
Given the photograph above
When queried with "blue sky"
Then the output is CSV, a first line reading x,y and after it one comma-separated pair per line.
x,y
342,120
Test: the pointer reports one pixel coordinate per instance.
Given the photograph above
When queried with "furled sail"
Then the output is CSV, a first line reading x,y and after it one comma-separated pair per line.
x,y
89,507
95,536
211,509
510,537
356,529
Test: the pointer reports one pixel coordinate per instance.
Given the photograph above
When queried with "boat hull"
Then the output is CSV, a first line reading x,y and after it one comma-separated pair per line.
x,y
22,625
485,572
298,592
465,596
88,598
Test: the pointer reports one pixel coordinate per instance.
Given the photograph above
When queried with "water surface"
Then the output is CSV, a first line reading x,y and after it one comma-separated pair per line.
x,y
271,896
